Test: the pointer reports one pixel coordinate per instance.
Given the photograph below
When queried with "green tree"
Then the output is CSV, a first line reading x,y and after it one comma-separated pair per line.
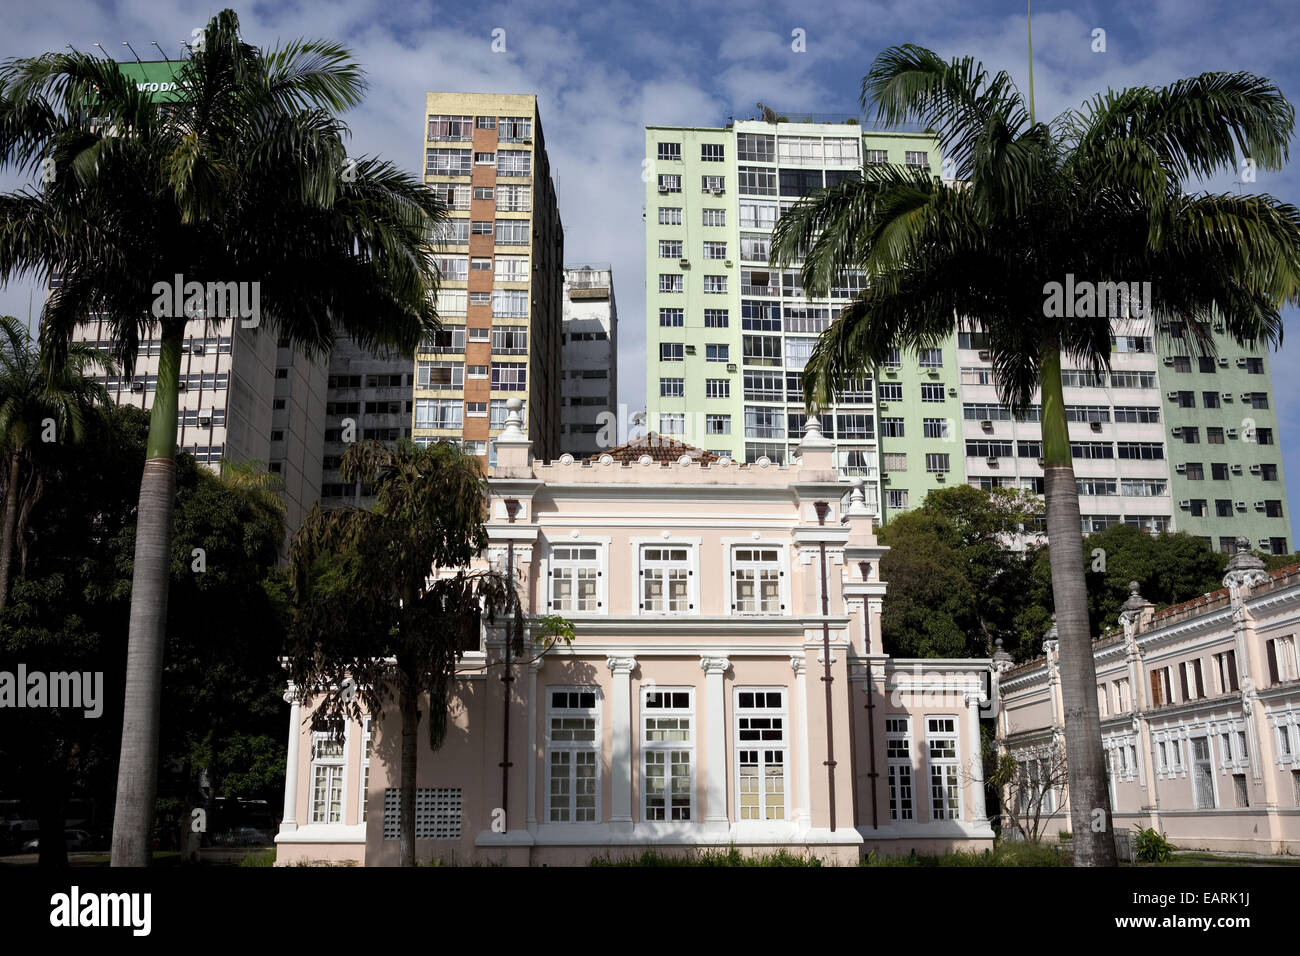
x,y
241,176
1102,193
386,603
39,404
931,606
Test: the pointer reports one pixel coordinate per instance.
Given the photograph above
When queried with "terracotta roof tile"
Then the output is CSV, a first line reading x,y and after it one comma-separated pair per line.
x,y
658,447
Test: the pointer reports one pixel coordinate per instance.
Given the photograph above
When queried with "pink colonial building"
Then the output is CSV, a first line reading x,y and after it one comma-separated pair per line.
x,y
726,685
1200,715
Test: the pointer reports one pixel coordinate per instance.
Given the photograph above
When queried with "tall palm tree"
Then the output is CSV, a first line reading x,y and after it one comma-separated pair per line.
x,y
1098,193
240,177
386,600
38,404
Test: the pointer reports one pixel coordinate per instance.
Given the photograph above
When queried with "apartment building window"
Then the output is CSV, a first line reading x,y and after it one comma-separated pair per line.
x,y
895,461
855,425
483,192
670,151
1082,378
917,159
981,412
1194,471
575,578
755,147
1161,690
713,184
443,127
1192,436
1268,473
672,388
1225,666
497,413
932,392
514,129
761,349
1133,379
1255,366
512,232
896,498
670,182
480,265
511,269
440,375
665,580
454,268
717,424
756,181
1140,450
670,248
1186,399
717,353
671,283
1202,773
760,755
1264,436
1257,399
1131,343
1213,436
715,250
715,284
936,462
668,754
672,318
877,157
671,351
1281,655
1121,695
717,388
756,580
509,377
889,392
438,412
476,409
712,152
448,162
931,358
934,427
485,159
327,772
1223,507
1277,545
1191,679
762,422
573,756
1197,507
1182,363
756,316
672,423
454,195
1273,508
763,387
1091,449
944,755
716,318
1137,414
714,217
757,215
892,428
670,216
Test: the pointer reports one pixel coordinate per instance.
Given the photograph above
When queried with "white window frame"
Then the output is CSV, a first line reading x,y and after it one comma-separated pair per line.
x,y
601,565
1193,760
783,713
573,747
895,767
337,764
660,746
367,744
950,766
692,546
731,546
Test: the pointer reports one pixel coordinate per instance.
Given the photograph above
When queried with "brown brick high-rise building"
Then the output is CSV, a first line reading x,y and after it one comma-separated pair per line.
x,y
501,258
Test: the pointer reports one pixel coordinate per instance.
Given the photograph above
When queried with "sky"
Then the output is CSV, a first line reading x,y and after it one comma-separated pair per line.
x,y
604,71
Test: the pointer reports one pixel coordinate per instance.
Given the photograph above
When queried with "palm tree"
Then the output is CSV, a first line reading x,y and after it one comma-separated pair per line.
x,y
38,404
386,602
1097,193
239,178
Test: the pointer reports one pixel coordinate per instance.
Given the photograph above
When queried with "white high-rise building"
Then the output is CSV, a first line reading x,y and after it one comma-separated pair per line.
x,y
590,357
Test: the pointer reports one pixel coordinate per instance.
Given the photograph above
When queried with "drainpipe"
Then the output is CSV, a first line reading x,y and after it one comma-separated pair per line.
x,y
871,702
507,677
822,510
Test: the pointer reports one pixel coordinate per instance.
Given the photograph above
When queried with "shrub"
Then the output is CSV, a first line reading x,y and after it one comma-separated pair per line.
x,y
1151,847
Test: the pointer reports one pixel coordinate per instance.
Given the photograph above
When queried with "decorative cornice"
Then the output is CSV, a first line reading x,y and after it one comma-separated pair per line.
x,y
714,665
621,665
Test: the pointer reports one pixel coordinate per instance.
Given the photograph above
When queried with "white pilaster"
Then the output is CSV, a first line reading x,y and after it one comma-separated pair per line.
x,y
531,801
715,817
289,821
800,667
978,812
621,758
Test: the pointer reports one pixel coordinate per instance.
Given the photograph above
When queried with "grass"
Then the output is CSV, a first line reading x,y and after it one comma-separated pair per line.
x,y
731,856
1002,854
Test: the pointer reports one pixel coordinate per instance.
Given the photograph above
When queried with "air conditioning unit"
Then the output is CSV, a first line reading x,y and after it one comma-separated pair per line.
x,y
1256,469
1177,432
137,386
205,418
1172,396
197,349
1259,506
685,263
1223,363
987,424
690,350
1169,360
1264,544
1232,433
940,476
991,461
882,405
715,190
1226,396
1096,426
663,189
1245,396
985,355
1236,469
1042,462
1239,505
729,263
1241,363
182,387
1186,503
1181,469
952,391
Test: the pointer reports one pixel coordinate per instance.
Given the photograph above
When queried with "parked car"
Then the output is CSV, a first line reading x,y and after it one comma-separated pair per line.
x,y
73,840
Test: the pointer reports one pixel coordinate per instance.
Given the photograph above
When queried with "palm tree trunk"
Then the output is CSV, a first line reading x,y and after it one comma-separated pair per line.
x,y
1090,811
410,704
10,526
137,770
